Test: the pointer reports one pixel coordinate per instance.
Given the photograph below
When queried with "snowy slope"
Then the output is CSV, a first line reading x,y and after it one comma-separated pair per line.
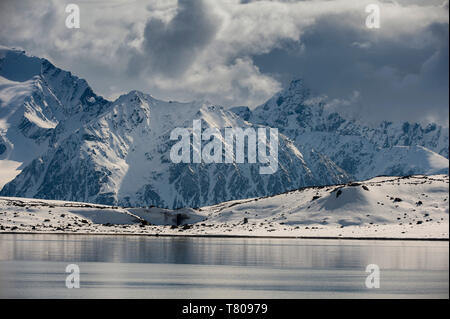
x,y
405,160
123,157
380,201
383,207
353,146
39,105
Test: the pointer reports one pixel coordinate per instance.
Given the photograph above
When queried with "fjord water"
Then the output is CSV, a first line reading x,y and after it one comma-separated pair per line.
x,y
33,266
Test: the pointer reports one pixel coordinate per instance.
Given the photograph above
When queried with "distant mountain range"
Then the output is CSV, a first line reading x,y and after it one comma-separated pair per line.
x,y
361,151
59,140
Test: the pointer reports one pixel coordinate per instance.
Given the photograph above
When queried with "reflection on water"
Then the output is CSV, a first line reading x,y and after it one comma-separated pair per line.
x,y
33,266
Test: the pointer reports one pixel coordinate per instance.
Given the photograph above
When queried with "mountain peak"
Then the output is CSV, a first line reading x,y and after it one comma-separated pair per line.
x,y
297,87
133,95
297,84
16,65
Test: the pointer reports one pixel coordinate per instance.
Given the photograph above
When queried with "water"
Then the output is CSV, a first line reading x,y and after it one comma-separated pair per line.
x,y
33,266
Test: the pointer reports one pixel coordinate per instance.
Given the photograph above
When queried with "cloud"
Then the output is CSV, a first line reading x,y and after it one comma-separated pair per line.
x,y
170,48
400,70
235,52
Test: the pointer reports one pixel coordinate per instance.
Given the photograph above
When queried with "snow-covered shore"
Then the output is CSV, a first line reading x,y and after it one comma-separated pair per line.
x,y
383,207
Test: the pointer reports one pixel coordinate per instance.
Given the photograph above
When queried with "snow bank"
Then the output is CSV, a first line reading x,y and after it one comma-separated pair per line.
x,y
383,207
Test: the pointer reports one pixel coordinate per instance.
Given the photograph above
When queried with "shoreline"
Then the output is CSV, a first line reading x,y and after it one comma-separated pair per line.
x,y
230,236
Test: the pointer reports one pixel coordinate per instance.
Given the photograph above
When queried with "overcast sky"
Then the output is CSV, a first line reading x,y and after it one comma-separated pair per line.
x,y
236,52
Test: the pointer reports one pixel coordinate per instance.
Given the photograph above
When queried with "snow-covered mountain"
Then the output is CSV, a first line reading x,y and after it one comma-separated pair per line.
x,y
360,150
39,106
123,156
65,142
119,152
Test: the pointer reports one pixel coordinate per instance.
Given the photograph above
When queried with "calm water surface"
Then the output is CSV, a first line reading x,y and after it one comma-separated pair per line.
x,y
33,266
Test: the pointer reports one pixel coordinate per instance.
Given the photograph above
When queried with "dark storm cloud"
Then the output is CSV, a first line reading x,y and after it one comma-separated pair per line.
x,y
171,47
404,77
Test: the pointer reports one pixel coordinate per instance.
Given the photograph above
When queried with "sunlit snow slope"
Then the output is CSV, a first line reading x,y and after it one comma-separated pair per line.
x,y
383,207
